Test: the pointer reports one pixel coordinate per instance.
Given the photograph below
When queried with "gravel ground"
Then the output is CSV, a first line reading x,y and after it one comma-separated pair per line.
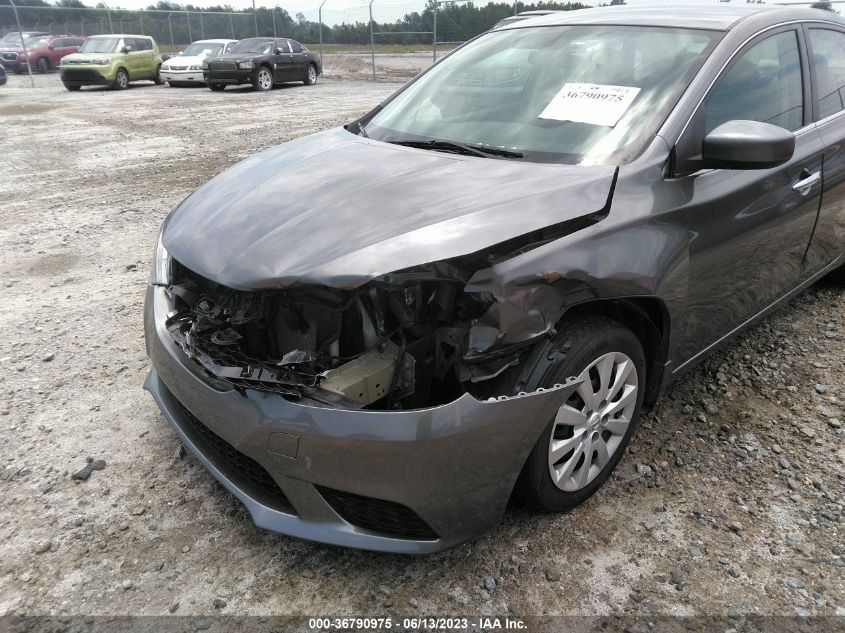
x,y
729,503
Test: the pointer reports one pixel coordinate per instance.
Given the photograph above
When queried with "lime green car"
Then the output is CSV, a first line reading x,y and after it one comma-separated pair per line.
x,y
112,60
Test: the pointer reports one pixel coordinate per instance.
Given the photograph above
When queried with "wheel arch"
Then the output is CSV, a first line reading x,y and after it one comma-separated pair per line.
x,y
648,318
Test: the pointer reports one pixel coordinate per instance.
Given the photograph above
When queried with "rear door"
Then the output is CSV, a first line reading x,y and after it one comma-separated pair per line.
x,y
299,60
827,59
750,227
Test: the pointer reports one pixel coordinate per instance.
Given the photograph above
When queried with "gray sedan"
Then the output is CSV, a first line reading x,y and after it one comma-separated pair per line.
x,y
375,336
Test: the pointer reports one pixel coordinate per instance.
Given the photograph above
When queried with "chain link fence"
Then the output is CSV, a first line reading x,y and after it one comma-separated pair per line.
x,y
375,39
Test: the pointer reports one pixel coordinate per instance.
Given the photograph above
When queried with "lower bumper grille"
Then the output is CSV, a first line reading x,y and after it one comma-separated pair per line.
x,y
83,74
377,515
248,474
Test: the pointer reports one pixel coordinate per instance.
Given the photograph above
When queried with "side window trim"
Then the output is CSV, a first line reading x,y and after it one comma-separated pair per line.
x,y
751,42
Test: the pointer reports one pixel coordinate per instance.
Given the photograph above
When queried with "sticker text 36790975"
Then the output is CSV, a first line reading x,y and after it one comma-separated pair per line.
x,y
590,103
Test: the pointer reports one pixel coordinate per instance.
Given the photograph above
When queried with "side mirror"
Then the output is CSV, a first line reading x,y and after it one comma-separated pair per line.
x,y
51,47
747,145
126,49
280,51
180,53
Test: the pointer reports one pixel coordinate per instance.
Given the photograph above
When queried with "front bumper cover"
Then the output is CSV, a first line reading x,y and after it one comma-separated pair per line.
x,y
452,466
184,76
229,77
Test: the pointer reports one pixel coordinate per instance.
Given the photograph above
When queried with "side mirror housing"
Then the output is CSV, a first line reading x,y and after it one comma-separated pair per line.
x,y
280,51
126,49
747,145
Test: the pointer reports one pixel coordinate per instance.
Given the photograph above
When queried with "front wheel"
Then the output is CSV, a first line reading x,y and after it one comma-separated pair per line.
x,y
263,79
311,75
43,65
583,443
72,88
216,87
121,80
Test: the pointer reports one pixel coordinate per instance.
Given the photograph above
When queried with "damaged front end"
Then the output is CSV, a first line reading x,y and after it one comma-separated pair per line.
x,y
409,339
398,342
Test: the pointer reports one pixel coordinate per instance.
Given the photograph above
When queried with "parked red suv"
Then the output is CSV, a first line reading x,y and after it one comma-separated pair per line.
x,y
44,51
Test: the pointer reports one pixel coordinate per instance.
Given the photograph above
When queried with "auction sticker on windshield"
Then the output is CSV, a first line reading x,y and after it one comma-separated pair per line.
x,y
595,104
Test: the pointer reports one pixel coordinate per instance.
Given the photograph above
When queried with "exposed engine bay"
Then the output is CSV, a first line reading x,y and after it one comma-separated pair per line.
x,y
397,342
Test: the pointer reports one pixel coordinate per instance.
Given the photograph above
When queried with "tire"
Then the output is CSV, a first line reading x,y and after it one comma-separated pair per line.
x,y
157,78
263,79
43,65
585,346
121,80
72,88
310,75
216,87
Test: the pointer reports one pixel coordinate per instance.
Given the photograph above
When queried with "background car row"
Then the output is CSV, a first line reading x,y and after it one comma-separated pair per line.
x,y
115,60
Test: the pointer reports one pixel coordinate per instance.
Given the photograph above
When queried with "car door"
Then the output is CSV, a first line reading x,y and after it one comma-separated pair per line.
x,y
827,60
749,228
283,61
56,50
299,60
147,57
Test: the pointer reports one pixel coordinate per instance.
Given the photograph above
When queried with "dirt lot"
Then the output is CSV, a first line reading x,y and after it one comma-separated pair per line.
x,y
729,503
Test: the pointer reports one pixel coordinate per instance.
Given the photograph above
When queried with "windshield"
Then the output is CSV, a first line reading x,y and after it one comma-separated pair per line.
x,y
100,45
199,49
566,94
252,46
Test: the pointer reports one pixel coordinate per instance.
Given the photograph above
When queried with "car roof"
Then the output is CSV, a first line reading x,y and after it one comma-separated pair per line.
x,y
146,37
213,41
718,17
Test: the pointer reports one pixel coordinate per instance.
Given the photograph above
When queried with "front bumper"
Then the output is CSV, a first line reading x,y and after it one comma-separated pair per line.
x,y
83,75
414,481
182,76
229,77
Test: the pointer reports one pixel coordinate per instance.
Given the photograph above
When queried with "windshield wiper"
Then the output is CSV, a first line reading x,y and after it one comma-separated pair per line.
x,y
459,148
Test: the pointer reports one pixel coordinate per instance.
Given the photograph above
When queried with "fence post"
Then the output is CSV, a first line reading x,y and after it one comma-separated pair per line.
x,y
320,18
514,7
372,41
188,20
111,27
434,36
202,27
255,17
232,25
170,26
23,46
120,22
273,13
82,26
141,24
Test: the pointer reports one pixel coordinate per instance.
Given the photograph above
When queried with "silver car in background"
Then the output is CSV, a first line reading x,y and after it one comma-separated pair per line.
x,y
185,69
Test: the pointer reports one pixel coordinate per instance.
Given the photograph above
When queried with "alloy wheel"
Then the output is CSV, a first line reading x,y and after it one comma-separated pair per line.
x,y
590,427
265,80
122,80
312,74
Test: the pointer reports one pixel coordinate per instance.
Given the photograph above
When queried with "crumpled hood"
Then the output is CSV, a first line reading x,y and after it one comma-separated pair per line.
x,y
337,209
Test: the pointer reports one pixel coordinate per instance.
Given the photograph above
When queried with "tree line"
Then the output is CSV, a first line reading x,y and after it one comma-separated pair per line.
x,y
455,21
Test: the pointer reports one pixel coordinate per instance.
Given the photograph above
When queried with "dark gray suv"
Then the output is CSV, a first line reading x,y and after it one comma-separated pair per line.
x,y
375,335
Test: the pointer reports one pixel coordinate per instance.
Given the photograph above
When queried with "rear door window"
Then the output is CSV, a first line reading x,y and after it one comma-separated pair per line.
x,y
828,57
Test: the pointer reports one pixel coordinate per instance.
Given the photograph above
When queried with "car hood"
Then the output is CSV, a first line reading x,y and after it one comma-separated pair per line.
x,y
235,57
337,209
189,60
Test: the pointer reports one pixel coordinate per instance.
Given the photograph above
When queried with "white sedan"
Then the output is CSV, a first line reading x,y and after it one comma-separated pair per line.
x,y
185,68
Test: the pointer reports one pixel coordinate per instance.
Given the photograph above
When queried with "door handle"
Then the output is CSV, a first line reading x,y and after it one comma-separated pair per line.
x,y
803,186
